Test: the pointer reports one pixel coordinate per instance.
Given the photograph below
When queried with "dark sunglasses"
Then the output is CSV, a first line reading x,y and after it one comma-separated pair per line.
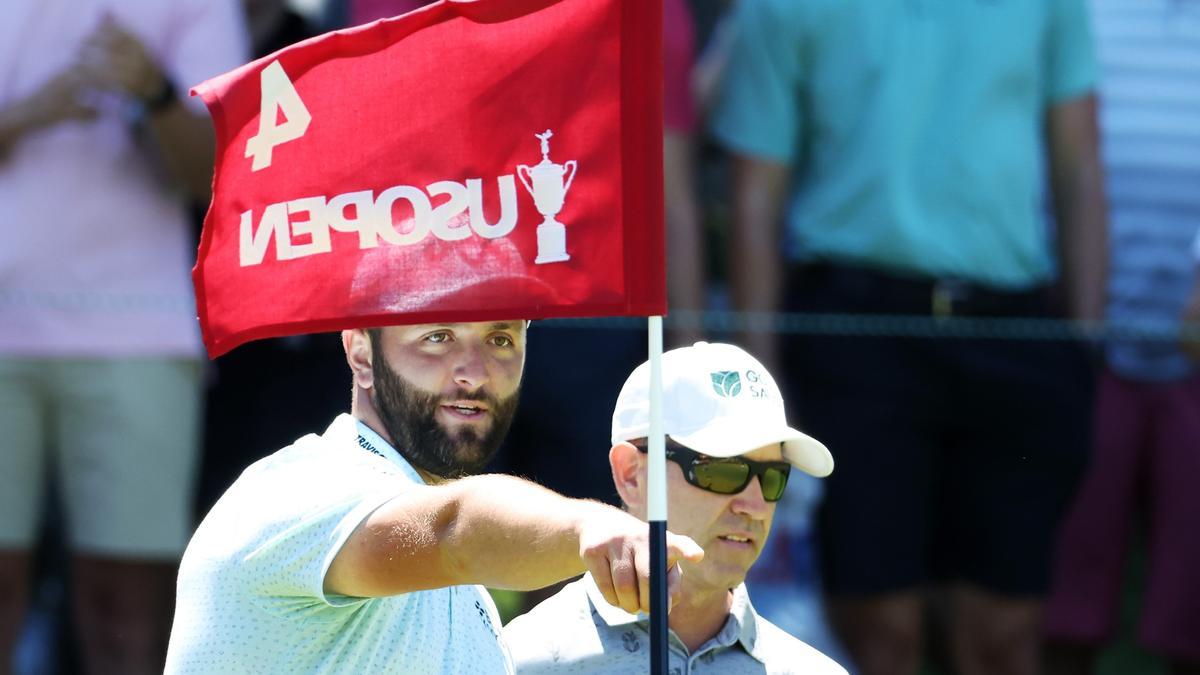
x,y
727,475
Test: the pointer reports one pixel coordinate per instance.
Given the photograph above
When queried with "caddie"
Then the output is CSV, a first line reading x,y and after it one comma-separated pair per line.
x,y
730,451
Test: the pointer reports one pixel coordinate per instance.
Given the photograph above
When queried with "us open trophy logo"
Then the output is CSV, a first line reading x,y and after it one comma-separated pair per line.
x,y
546,184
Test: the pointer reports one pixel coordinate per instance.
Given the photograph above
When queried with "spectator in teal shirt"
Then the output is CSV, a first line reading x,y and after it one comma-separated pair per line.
x,y
901,143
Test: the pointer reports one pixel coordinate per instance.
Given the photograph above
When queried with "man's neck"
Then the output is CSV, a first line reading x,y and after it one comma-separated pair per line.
x,y
362,410
700,615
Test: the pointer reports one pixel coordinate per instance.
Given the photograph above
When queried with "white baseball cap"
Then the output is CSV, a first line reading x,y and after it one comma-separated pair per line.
x,y
719,401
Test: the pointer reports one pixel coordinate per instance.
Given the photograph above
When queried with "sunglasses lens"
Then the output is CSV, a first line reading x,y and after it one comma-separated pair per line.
x,y
773,483
722,477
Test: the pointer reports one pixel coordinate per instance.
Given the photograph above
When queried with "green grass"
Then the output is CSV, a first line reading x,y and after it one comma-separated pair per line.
x,y
508,602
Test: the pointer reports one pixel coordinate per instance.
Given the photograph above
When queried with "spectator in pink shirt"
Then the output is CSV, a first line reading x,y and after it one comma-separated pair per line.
x,y
99,351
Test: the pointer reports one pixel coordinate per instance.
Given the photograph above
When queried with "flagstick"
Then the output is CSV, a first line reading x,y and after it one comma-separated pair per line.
x,y
657,507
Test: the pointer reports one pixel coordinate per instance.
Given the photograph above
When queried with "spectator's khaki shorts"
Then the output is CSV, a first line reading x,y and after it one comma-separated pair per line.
x,y
120,435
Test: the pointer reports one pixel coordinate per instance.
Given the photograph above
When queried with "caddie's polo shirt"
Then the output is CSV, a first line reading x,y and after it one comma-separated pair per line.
x,y
251,599
577,631
914,127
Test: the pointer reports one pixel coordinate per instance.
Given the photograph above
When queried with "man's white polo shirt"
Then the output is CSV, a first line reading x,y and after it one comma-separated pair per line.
x,y
577,631
251,599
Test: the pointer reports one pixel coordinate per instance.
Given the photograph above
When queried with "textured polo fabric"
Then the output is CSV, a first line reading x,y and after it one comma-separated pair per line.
x,y
577,631
1150,121
251,598
913,126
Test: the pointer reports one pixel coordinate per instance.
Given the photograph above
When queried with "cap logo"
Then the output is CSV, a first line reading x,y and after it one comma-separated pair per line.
x,y
727,383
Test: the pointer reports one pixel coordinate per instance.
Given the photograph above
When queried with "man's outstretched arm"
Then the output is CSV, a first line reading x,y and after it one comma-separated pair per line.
x,y
502,532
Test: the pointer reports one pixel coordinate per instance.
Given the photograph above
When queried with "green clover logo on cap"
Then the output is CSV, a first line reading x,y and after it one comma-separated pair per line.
x,y
727,383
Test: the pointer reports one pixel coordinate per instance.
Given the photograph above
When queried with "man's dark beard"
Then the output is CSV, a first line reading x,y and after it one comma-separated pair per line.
x,y
408,416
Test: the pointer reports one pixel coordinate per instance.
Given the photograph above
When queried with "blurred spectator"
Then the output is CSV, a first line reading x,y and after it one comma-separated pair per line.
x,y
273,25
344,13
713,58
365,11
98,342
907,139
264,395
1145,460
685,241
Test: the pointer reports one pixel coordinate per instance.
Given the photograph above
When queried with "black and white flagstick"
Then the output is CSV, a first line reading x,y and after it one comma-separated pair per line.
x,y
656,512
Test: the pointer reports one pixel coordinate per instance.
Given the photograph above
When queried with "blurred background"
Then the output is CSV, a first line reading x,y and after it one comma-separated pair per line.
x,y
962,235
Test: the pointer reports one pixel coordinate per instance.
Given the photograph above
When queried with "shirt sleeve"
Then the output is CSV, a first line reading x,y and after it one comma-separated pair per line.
x,y
1071,69
208,38
309,515
757,109
302,558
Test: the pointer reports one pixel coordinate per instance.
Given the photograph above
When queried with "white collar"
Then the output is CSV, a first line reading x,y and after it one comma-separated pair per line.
x,y
345,427
742,617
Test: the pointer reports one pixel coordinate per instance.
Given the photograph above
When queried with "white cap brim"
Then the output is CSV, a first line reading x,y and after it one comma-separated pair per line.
x,y
723,438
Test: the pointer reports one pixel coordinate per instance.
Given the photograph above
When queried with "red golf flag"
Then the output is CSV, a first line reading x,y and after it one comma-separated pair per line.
x,y
466,162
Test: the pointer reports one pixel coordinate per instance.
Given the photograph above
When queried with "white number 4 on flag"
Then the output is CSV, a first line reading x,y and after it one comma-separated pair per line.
x,y
278,96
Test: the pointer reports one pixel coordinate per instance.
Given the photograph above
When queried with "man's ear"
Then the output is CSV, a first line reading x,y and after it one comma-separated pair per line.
x,y
629,475
358,348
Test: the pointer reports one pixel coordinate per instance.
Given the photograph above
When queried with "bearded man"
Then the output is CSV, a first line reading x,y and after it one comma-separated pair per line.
x,y
364,549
